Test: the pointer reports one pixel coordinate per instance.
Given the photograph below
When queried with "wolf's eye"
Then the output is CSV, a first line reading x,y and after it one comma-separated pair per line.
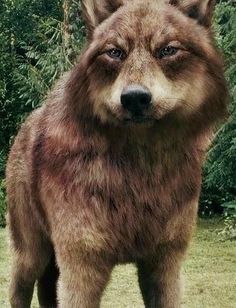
x,y
167,51
116,53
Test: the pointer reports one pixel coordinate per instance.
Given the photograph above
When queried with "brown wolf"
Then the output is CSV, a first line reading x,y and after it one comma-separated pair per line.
x,y
108,170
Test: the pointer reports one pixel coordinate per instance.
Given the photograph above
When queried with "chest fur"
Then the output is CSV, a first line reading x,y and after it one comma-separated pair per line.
x,y
124,204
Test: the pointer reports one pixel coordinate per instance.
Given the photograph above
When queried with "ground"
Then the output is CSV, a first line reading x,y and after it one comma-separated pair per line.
x,y
209,273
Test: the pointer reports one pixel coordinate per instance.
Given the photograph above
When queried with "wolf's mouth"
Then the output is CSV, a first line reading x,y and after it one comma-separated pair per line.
x,y
138,119
129,119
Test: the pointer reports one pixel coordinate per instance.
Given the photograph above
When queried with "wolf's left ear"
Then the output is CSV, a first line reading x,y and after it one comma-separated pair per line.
x,y
96,11
201,10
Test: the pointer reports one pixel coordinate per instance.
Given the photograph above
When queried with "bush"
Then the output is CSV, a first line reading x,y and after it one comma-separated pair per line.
x,y
229,231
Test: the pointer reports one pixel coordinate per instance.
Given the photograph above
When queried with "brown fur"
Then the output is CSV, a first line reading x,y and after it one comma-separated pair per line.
x,y
95,190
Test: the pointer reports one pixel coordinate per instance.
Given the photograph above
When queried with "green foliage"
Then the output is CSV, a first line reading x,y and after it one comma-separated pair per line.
x,y
219,184
57,45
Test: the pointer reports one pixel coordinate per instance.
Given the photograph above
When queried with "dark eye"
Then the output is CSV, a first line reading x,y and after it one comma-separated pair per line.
x,y
167,51
116,53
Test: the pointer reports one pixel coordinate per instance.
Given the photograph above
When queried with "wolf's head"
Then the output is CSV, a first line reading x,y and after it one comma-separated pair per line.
x,y
150,60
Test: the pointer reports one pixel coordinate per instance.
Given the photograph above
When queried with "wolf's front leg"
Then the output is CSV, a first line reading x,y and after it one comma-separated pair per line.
x,y
159,277
82,280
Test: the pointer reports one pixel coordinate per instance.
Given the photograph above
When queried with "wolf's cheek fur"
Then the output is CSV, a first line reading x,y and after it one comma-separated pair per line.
x,y
184,94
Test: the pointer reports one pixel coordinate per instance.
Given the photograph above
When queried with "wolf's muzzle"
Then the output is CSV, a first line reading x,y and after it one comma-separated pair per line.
x,y
136,99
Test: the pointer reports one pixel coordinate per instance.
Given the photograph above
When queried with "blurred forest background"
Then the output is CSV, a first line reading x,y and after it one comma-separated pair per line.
x,y
40,39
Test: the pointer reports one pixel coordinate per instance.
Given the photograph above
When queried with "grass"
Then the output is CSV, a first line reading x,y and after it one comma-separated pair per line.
x,y
209,272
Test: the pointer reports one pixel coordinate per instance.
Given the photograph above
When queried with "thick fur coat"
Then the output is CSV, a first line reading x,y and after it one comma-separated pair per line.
x,y
108,170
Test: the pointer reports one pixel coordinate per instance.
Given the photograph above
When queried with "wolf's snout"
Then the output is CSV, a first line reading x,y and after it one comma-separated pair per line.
x,y
136,99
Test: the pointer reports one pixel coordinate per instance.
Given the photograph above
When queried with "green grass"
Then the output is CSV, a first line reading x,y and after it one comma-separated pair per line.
x,y
209,274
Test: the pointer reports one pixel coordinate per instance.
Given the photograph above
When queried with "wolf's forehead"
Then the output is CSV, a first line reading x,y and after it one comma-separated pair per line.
x,y
141,24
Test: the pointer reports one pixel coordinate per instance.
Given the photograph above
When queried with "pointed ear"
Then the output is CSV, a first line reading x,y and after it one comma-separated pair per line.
x,y
201,10
96,11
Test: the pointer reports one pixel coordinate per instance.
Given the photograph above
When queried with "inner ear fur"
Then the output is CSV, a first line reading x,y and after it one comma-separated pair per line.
x,y
201,10
96,11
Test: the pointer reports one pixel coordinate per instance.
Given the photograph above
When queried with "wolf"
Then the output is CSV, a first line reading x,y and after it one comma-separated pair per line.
x,y
108,170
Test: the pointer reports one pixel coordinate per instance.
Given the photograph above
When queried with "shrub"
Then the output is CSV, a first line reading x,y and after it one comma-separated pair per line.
x,y
229,230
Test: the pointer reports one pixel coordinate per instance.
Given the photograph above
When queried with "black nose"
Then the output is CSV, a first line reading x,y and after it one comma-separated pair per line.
x,y
136,99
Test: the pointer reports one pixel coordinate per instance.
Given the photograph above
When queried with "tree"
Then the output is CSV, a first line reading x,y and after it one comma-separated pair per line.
x,y
29,64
